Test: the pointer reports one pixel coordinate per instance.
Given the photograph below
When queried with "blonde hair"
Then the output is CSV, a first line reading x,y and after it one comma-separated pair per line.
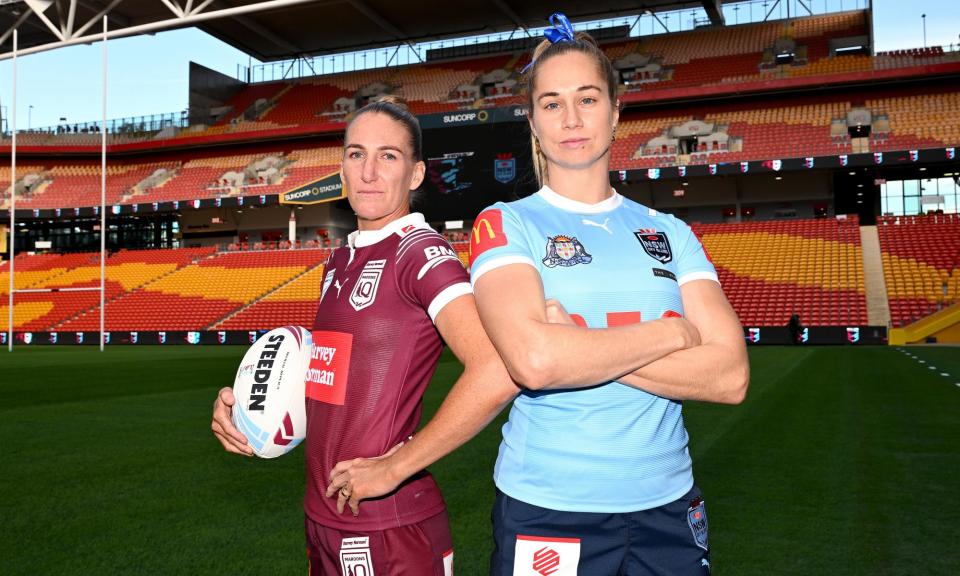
x,y
583,43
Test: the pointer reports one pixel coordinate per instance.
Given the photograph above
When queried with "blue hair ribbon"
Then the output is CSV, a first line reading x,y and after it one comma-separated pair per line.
x,y
561,31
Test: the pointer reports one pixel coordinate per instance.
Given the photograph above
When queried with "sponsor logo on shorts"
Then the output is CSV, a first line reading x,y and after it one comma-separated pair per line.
x,y
546,556
697,520
355,557
487,233
365,291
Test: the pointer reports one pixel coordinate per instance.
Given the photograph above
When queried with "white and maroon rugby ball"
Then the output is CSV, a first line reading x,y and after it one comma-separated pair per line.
x,y
269,390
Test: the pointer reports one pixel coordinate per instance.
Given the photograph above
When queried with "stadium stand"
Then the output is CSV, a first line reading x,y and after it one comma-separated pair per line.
x,y
770,270
198,295
125,271
906,119
295,303
921,262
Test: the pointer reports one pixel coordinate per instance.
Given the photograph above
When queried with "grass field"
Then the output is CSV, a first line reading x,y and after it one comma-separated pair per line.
x,y
842,461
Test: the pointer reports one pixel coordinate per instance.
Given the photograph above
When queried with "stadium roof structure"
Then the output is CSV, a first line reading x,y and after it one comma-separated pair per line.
x,y
271,30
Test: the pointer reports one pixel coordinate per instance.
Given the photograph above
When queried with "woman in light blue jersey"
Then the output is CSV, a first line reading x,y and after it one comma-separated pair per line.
x,y
608,314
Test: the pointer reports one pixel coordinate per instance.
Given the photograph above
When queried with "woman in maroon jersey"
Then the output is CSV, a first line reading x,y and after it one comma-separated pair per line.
x,y
387,299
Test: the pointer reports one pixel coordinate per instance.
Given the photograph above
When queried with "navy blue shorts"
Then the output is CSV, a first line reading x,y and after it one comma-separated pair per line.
x,y
670,540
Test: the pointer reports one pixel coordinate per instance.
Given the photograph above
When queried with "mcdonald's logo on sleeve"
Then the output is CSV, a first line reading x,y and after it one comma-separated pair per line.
x,y
487,233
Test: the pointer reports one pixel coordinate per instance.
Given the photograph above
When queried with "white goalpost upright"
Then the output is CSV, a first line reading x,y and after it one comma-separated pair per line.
x,y
103,200
13,188
68,35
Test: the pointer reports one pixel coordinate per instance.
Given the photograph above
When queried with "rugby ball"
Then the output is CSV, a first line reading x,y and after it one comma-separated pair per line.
x,y
269,390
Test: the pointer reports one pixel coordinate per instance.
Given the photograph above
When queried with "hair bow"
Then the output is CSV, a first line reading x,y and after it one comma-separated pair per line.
x,y
562,31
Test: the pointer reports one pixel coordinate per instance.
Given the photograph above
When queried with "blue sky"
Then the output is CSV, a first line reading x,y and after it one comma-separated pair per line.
x,y
148,74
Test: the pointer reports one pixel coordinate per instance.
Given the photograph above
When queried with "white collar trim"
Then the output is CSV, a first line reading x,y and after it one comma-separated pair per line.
x,y
569,205
363,238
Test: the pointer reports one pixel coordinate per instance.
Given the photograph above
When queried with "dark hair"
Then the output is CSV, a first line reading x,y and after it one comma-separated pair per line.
x,y
584,44
396,108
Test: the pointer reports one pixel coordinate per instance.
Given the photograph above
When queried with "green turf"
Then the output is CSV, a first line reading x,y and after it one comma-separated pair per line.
x,y
838,463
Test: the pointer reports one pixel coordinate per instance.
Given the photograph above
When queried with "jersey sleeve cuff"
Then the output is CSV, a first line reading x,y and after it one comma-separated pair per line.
x,y
495,263
703,275
446,296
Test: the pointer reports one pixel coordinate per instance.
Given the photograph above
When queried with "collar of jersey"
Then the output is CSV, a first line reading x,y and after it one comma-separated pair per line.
x,y
361,239
564,203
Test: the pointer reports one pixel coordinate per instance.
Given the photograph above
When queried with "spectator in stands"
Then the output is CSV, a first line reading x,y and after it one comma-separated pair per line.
x,y
594,459
387,300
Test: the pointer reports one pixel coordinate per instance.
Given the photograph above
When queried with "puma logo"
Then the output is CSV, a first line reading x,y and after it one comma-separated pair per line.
x,y
338,286
592,223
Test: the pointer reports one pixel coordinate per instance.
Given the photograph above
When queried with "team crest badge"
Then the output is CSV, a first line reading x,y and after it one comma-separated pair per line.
x,y
914,155
712,168
365,292
565,251
355,556
951,153
682,171
697,520
878,157
505,168
844,159
653,173
808,162
656,245
753,335
744,167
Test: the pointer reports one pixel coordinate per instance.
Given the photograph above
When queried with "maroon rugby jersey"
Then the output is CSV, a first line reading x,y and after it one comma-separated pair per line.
x,y
375,349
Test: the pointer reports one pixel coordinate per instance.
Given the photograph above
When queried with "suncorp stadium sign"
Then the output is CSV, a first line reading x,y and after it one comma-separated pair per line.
x,y
323,190
472,117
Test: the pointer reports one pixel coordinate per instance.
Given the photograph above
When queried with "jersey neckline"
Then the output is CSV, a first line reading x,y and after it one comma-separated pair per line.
x,y
564,203
363,238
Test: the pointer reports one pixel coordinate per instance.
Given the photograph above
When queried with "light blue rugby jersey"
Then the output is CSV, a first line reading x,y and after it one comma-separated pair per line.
x,y
608,448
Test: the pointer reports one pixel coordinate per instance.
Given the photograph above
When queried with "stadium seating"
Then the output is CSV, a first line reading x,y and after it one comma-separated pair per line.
x,y
733,54
196,296
770,270
921,264
794,128
125,271
295,303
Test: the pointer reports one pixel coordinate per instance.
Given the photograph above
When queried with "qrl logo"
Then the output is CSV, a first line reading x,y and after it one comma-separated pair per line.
x,y
546,561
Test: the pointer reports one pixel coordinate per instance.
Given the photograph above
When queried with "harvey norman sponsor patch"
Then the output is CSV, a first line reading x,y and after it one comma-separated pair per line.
x,y
329,366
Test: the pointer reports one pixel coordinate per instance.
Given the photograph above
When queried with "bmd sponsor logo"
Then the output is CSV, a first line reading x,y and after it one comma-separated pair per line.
x,y
436,255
